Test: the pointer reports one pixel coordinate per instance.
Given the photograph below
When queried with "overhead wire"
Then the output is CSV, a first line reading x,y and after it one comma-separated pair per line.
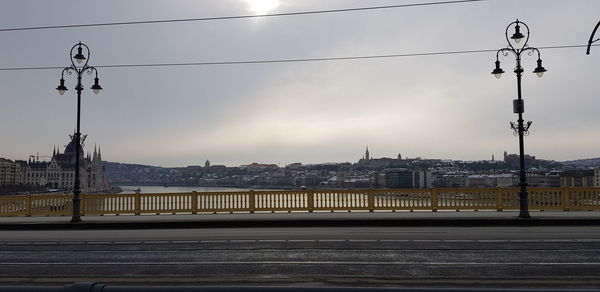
x,y
275,61
238,16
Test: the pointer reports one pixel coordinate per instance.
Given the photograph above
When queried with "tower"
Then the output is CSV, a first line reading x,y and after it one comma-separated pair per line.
x,y
367,153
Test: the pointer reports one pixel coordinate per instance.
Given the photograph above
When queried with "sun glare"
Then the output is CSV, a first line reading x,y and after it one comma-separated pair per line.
x,y
262,6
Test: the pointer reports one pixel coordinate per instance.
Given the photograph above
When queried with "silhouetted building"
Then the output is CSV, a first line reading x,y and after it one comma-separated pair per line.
x,y
513,160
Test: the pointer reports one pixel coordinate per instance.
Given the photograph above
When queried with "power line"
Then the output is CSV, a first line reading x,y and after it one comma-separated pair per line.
x,y
238,16
250,62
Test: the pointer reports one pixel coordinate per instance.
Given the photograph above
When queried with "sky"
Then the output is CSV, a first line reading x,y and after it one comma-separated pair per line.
x,y
444,106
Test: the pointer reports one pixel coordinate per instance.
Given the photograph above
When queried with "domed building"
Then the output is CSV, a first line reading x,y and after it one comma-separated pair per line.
x,y
59,173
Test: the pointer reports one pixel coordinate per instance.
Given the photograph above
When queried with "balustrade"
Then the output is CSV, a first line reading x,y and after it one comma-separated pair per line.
x,y
566,199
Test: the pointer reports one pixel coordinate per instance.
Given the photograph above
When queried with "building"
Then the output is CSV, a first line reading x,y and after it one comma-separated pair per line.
x,y
7,172
367,161
513,160
59,172
12,173
407,179
481,181
506,180
256,168
452,181
20,167
307,180
597,178
543,181
578,178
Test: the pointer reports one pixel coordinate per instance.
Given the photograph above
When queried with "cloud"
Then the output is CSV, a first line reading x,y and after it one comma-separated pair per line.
x,y
438,106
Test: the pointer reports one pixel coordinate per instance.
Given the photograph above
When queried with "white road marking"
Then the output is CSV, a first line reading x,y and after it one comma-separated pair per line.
x,y
305,263
156,242
184,241
40,243
18,243
72,242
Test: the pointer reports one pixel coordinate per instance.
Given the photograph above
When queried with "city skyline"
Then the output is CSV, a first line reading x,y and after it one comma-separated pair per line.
x,y
357,160
446,107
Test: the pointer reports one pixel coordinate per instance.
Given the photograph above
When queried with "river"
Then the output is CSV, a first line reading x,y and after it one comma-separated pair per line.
x,y
163,189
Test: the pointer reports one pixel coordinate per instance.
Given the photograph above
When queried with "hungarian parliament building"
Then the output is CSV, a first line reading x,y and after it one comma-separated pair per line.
x,y
59,172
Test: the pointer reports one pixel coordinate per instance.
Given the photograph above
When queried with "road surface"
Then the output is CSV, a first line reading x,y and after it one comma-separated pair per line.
x,y
381,256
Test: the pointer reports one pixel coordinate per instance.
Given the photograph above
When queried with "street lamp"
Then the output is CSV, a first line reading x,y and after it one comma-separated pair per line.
x,y
591,41
518,104
76,67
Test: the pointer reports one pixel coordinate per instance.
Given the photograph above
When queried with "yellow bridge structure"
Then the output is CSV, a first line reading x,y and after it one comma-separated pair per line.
x,y
498,199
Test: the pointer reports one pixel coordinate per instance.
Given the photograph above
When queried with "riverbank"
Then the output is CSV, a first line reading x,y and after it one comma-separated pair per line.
x,y
132,189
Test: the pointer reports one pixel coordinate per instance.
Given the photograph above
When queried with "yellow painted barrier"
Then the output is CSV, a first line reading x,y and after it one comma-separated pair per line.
x,y
566,199
14,206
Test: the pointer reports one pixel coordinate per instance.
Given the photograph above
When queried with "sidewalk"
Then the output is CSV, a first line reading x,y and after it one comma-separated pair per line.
x,y
303,219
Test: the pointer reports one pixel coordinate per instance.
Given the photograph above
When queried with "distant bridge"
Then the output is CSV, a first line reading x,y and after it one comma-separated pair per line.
x,y
565,199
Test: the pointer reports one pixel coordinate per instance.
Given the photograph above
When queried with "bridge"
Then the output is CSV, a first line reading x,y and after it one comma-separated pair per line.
x,y
499,199
557,250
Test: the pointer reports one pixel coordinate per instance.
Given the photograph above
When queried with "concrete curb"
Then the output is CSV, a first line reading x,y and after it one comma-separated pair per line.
x,y
303,222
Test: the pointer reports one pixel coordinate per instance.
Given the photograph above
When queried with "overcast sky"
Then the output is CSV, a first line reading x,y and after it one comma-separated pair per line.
x,y
447,106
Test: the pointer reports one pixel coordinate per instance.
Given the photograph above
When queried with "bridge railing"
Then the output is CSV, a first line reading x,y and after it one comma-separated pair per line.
x,y
566,199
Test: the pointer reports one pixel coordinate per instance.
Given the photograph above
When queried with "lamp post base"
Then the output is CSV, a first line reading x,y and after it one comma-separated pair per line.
x,y
523,200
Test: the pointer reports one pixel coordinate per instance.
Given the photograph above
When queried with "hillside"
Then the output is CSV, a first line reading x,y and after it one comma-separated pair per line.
x,y
588,163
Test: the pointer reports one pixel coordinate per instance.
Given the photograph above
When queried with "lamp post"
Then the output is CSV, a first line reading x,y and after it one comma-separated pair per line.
x,y
517,48
79,65
592,40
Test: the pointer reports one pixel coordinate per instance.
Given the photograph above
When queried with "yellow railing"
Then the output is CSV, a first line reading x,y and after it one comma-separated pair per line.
x,y
566,199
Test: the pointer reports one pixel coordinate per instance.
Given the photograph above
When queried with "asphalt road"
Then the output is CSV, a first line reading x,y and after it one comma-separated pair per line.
x,y
441,256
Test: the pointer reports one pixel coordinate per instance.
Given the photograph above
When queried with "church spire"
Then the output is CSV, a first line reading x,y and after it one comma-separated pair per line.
x,y
367,153
99,154
95,157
